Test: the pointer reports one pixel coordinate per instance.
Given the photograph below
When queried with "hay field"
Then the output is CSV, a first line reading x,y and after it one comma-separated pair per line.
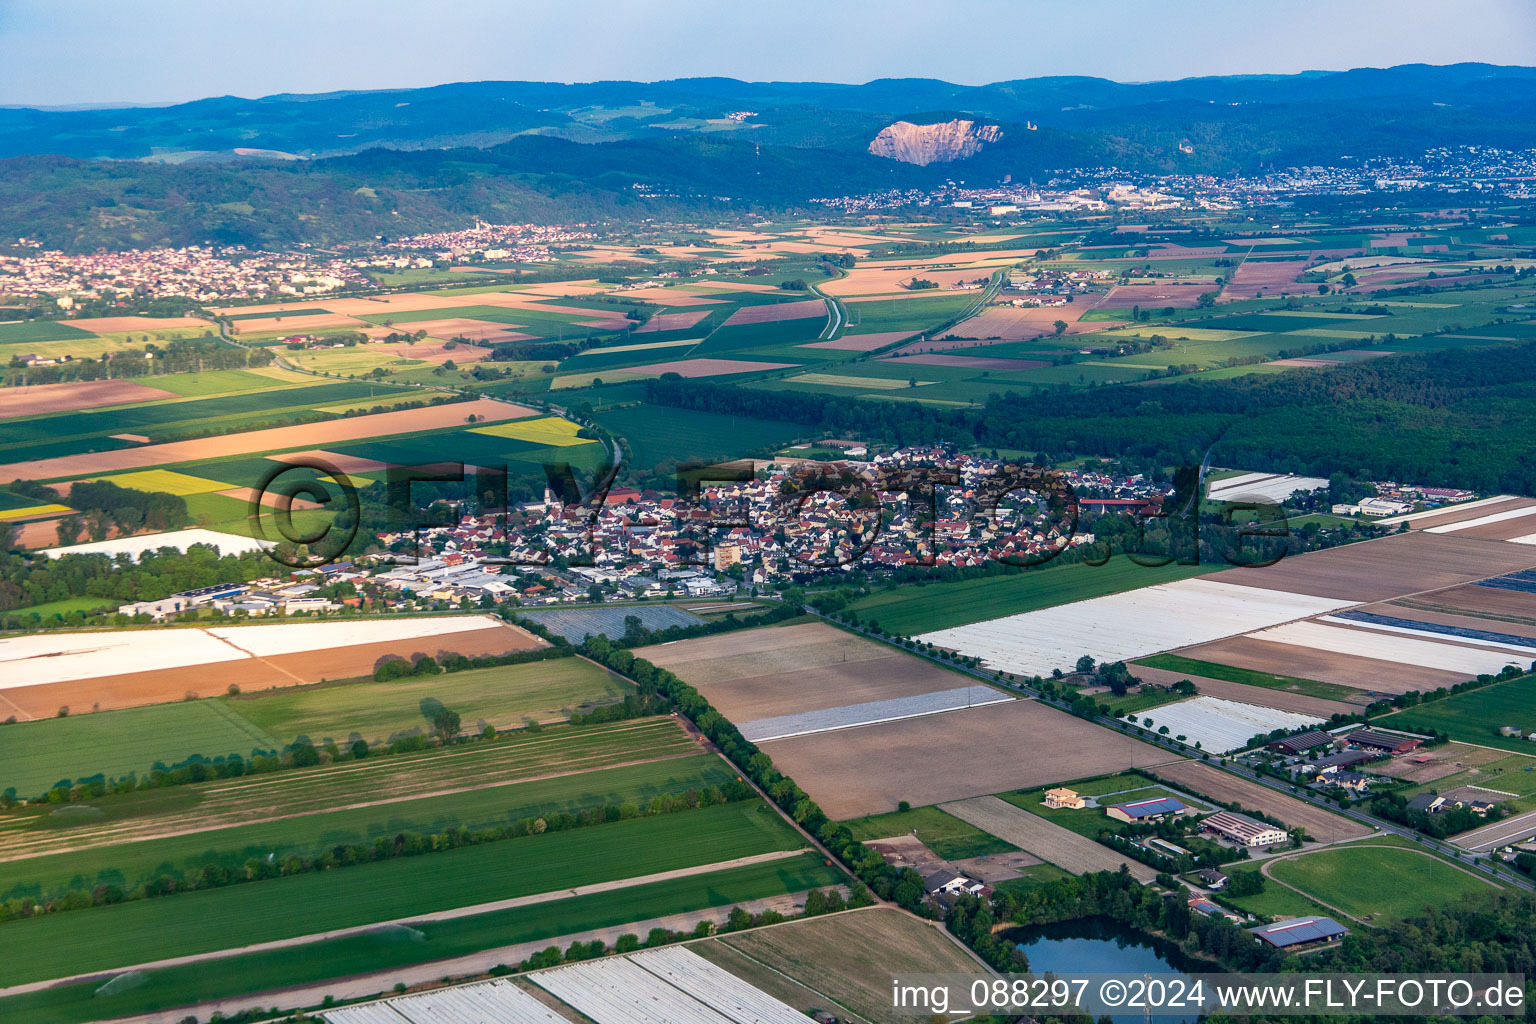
x,y
952,756
546,430
1203,780
845,958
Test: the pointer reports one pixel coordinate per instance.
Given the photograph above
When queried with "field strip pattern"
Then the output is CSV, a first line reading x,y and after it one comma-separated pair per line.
x,y
1362,643
664,986
1413,627
497,1000
873,712
1045,839
1492,517
442,915
1126,626
374,782
1437,513
56,658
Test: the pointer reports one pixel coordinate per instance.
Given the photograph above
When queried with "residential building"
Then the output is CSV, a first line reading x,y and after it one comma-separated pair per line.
x,y
1064,799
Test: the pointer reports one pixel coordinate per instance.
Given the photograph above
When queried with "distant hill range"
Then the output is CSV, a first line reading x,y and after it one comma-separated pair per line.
x,y
231,169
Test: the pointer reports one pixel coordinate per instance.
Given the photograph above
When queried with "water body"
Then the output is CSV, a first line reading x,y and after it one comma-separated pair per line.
x,y
1100,945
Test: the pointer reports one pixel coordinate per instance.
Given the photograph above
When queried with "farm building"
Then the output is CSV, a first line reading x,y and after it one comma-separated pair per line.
x,y
1240,828
1429,803
1164,846
1203,906
1343,759
1383,741
1211,878
1302,742
1154,809
1300,931
1064,799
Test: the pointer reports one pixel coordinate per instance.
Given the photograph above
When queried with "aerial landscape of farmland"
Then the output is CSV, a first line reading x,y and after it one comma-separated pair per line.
x,y
697,515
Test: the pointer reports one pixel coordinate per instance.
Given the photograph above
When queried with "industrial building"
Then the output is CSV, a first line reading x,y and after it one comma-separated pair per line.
x,y
1154,809
1300,931
1239,828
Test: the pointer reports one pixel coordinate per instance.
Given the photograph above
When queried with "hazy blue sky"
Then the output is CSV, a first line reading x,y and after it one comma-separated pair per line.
x,y
55,52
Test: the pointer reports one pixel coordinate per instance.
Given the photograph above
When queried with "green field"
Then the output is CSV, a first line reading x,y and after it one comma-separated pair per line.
x,y
56,609
106,937
130,864
919,609
944,834
1476,715
1276,900
256,972
39,330
1376,880
1228,673
35,755
658,434
502,696
219,382
227,803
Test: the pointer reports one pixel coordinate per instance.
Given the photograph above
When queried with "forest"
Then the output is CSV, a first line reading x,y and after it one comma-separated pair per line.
x,y
1460,417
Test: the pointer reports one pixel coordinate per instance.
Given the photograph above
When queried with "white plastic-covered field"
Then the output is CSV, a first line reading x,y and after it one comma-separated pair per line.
x,y
1219,725
61,657
1125,626
681,988
1271,486
181,540
1488,520
872,712
1404,650
498,1000
1439,635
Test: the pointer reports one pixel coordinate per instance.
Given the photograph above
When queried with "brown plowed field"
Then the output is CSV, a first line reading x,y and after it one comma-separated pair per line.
x,y
1155,296
1263,277
973,362
132,689
671,322
1379,570
1462,514
861,342
1409,611
1324,666
773,312
1020,323
1481,601
706,367
802,668
457,327
1509,529
1263,696
952,756
1202,779
356,428
296,324
87,394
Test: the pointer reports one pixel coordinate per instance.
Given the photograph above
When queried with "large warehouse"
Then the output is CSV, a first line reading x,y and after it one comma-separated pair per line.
x,y
1300,931
1239,828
